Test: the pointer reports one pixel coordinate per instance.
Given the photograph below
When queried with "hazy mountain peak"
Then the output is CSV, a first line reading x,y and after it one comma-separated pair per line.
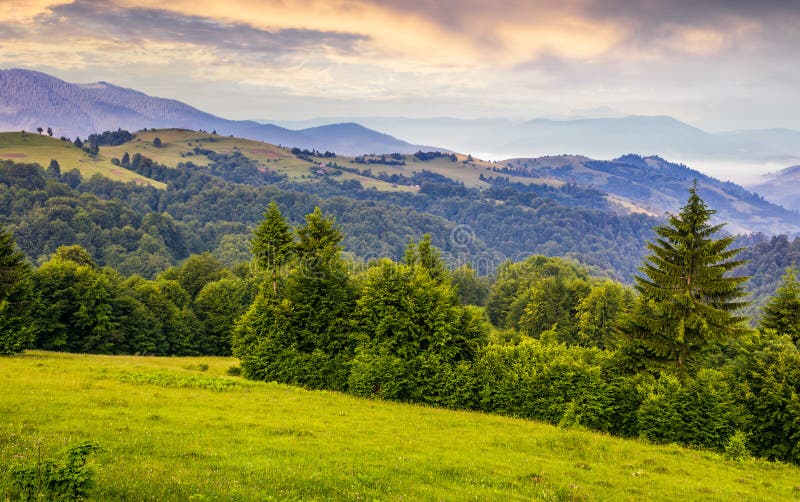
x,y
32,99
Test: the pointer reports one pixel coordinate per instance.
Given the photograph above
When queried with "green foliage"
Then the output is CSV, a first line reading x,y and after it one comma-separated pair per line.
x,y
424,255
700,411
472,290
550,382
272,242
75,312
552,304
782,311
16,296
736,447
687,296
197,271
536,294
599,314
63,477
75,254
218,306
411,332
298,333
766,372
319,239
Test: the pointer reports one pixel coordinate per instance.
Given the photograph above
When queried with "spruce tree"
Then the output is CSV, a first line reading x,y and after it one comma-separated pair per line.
x,y
54,169
320,239
782,311
428,257
688,298
300,335
272,242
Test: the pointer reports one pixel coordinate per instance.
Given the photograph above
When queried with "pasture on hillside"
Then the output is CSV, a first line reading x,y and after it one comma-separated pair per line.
x,y
185,429
33,148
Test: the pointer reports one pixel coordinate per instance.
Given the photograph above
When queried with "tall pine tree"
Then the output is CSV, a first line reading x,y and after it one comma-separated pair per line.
x,y
688,298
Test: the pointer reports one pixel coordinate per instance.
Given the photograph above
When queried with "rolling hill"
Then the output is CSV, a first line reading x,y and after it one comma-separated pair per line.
x,y
740,154
32,148
656,186
263,441
630,184
32,99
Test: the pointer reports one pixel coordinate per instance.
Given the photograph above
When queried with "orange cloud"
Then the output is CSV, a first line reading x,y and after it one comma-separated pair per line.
x,y
489,35
23,11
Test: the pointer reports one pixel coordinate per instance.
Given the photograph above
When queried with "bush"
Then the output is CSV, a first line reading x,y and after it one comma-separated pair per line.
x,y
64,477
736,447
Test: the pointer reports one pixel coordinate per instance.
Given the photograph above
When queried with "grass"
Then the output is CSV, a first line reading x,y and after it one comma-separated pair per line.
x,y
176,143
181,429
33,148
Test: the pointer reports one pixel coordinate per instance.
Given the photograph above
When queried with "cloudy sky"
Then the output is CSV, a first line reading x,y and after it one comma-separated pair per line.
x,y
719,64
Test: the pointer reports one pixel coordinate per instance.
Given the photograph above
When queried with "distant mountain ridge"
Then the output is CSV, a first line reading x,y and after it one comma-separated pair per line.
x,y
782,187
611,137
657,186
30,99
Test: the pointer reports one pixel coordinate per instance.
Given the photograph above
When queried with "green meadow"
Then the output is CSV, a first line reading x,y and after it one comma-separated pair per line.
x,y
33,148
183,429
176,143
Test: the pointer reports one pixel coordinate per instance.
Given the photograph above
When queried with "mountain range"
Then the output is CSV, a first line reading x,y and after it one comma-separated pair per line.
x,y
654,186
782,187
740,155
30,99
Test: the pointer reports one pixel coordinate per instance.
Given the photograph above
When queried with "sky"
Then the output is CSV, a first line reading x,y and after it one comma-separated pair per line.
x,y
717,64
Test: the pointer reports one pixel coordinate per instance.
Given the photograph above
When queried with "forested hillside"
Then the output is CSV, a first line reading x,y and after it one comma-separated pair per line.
x,y
657,186
213,207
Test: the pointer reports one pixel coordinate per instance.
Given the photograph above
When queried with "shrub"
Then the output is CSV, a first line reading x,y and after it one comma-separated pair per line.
x,y
63,477
736,447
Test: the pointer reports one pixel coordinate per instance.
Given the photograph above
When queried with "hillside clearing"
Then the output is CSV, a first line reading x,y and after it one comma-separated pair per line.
x,y
180,429
32,148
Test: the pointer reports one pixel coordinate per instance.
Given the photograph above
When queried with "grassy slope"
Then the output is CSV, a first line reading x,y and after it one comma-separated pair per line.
x,y
175,142
179,141
40,149
257,441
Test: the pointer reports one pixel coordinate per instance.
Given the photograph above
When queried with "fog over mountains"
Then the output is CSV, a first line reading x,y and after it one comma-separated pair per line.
x,y
31,99
782,187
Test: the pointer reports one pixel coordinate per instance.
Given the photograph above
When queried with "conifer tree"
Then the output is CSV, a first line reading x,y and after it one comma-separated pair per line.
x,y
320,239
782,311
300,335
54,169
428,257
272,243
687,298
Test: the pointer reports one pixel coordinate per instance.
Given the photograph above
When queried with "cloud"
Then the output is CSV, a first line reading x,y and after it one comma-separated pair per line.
x,y
102,19
526,57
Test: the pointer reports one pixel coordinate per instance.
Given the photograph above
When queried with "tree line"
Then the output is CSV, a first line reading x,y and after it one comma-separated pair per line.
x,y
669,360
